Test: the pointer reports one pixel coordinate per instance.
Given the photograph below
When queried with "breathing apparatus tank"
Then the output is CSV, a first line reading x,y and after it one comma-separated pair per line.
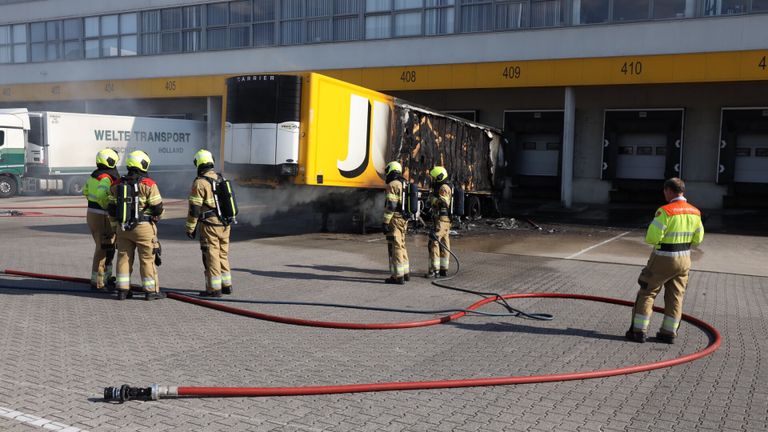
x,y
127,208
224,196
411,203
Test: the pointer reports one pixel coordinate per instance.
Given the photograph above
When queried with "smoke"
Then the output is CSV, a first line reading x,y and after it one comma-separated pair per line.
x,y
309,208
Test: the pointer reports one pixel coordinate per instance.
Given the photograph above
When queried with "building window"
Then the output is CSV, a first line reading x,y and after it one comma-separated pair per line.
x,y
759,5
408,17
511,14
129,41
292,24
631,10
218,19
170,28
150,32
669,9
439,17
548,13
263,23
6,47
73,39
346,20
724,7
104,36
191,28
240,24
476,16
377,25
592,11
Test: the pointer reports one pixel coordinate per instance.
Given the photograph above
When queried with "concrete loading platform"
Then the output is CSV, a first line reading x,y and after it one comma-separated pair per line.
x,y
61,344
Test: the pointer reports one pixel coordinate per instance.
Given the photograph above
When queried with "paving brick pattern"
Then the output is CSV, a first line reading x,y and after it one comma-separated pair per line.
x,y
61,344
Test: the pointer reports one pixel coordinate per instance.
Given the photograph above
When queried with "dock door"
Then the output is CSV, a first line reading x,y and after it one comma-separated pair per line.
x,y
641,148
743,157
533,153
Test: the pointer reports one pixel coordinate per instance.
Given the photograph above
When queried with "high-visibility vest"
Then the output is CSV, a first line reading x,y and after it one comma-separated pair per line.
x,y
675,228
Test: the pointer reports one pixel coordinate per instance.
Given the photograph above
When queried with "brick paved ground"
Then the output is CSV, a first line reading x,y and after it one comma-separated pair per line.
x,y
60,345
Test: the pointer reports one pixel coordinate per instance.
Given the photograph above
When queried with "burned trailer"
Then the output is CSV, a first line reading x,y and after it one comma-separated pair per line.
x,y
471,152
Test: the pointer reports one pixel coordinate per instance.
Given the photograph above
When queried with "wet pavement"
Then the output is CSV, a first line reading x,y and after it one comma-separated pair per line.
x,y
62,344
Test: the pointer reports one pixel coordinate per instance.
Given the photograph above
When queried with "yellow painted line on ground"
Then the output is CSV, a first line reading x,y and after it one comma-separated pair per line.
x,y
733,66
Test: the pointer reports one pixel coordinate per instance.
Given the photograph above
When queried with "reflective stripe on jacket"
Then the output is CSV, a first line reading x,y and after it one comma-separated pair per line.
x,y
200,199
96,190
676,226
392,206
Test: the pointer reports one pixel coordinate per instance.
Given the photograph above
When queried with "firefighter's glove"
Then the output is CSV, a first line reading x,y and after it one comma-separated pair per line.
x,y
154,219
433,235
191,235
386,228
158,252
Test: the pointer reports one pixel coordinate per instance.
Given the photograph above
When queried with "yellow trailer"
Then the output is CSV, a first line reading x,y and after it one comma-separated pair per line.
x,y
314,130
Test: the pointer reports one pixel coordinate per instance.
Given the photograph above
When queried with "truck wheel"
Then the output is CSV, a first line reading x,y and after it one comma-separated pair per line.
x,y
74,186
473,209
8,187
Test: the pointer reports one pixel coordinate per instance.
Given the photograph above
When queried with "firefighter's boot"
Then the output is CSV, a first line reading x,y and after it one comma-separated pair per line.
x,y
635,336
432,274
111,281
216,293
665,337
153,296
407,277
122,294
394,280
443,273
226,289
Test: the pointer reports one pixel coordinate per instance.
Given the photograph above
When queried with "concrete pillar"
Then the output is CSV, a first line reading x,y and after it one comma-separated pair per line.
x,y
214,144
569,134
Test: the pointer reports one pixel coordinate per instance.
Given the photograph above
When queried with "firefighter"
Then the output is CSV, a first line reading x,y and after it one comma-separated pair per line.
x,y
205,207
395,224
136,205
96,191
675,228
440,204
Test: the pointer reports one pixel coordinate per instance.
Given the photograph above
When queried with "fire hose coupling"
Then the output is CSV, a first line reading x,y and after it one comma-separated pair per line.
x,y
126,393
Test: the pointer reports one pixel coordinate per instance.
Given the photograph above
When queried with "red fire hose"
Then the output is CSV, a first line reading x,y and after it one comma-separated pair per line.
x,y
157,392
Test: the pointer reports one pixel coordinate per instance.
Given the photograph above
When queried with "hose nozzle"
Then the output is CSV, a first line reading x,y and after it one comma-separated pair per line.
x,y
126,393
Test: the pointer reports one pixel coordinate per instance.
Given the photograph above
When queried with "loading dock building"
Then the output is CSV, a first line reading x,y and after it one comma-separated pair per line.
x,y
600,99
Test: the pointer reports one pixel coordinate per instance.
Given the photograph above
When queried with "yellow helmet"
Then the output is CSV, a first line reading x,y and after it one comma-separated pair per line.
x,y
203,157
393,166
107,157
438,174
139,160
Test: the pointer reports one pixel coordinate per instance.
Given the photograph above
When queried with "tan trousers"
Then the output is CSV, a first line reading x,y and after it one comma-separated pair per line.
x,y
142,239
104,253
214,243
398,255
439,257
670,273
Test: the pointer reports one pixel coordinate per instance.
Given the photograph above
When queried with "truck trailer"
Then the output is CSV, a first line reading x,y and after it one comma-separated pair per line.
x,y
55,151
313,130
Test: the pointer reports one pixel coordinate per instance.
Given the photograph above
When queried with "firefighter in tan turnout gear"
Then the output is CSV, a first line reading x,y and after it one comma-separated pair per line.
x,y
395,224
96,191
212,204
675,228
135,205
440,203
